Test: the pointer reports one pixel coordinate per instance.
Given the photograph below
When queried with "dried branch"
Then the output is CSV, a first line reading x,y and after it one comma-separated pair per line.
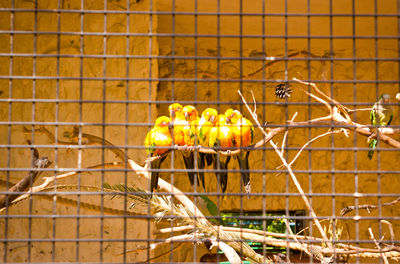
x,y
343,251
368,207
309,142
49,180
343,109
230,254
175,229
198,215
22,185
377,245
336,119
286,133
304,248
292,175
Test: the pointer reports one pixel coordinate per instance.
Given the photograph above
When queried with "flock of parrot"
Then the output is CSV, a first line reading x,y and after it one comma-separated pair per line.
x,y
225,131
184,127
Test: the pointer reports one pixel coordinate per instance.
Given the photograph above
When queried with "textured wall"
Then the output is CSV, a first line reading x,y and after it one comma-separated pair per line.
x,y
71,66
274,113
92,90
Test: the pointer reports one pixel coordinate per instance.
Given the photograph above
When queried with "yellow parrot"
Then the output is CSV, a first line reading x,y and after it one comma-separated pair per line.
x,y
209,118
243,136
221,137
181,137
157,142
192,117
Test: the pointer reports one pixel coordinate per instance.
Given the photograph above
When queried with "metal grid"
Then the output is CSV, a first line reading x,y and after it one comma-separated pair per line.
x,y
94,73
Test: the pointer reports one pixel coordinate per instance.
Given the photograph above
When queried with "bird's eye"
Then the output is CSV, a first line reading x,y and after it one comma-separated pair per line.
x,y
232,115
178,108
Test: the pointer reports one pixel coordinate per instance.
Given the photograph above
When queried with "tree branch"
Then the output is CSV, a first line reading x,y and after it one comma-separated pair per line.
x,y
292,175
367,207
22,185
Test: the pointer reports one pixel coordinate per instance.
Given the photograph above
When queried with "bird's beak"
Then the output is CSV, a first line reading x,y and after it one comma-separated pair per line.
x,y
212,118
187,116
172,113
228,121
170,125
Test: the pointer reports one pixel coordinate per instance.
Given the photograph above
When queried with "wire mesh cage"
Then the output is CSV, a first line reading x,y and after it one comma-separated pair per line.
x,y
219,131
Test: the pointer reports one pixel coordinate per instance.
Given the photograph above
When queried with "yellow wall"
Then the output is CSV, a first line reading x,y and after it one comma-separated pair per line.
x,y
205,90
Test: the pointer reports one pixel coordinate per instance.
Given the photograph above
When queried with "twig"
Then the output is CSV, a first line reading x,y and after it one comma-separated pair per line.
x,y
286,133
295,239
378,246
390,230
367,207
22,185
292,175
336,103
309,142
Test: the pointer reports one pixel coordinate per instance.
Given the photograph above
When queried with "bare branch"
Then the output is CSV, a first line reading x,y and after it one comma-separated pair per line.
x,y
368,207
292,175
229,252
390,230
378,246
175,229
189,205
49,180
309,142
286,133
295,238
22,185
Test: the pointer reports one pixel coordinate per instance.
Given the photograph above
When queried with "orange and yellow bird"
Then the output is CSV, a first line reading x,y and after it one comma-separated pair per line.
x,y
208,120
221,137
157,142
181,137
192,117
243,136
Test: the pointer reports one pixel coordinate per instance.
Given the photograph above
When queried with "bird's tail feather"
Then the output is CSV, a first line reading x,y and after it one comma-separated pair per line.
x,y
222,175
155,164
243,161
201,164
372,146
189,164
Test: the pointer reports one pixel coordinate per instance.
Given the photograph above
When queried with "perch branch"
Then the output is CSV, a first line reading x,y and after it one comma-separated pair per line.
x,y
197,214
338,120
367,207
292,175
22,185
